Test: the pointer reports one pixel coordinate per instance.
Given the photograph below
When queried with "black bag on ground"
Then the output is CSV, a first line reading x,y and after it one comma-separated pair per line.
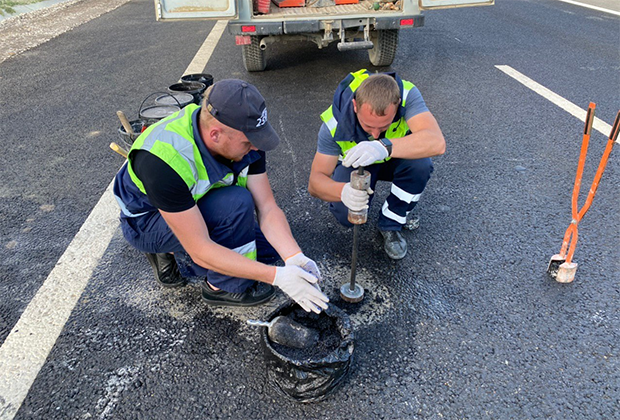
x,y
309,375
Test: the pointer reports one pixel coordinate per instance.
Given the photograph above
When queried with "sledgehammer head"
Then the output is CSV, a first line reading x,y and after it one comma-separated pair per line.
x,y
560,270
554,265
566,272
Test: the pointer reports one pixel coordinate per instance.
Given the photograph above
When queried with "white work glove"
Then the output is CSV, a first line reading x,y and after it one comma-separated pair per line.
x,y
306,263
365,154
356,200
298,284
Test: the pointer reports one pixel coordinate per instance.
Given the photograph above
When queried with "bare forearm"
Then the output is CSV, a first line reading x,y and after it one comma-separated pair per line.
x,y
190,228
325,188
225,261
421,144
276,229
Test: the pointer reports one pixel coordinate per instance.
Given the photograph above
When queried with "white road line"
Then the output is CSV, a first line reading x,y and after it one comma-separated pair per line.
x,y
204,53
27,346
599,125
589,6
25,349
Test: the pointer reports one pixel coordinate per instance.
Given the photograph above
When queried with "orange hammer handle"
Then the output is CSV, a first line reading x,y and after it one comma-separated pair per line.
x,y
570,237
597,178
582,159
613,136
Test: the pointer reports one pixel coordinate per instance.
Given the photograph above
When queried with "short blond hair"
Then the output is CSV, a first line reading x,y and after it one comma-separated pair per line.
x,y
206,119
379,91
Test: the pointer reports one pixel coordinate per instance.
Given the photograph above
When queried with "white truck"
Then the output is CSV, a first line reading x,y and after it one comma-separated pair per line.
x,y
372,25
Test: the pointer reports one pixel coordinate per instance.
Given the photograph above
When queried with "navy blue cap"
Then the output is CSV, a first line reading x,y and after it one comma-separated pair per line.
x,y
240,105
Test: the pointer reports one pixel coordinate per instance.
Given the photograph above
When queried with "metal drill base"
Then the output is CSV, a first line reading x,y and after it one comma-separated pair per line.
x,y
351,296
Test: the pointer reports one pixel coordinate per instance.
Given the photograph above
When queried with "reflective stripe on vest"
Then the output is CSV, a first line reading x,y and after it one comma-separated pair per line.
x,y
172,141
248,250
396,130
124,209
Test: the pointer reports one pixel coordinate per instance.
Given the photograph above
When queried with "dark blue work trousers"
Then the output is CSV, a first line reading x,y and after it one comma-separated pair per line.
x,y
229,215
408,178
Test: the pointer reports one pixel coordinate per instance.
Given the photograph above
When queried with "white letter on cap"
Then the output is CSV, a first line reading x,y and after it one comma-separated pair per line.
x,y
263,118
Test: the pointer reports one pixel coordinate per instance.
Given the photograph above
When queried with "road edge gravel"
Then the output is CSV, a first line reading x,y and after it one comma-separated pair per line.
x,y
24,32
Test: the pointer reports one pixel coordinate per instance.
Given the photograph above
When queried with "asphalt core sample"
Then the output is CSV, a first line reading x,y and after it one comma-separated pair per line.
x,y
328,341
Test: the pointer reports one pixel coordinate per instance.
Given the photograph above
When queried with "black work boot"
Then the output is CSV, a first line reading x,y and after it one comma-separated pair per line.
x,y
166,270
254,295
394,244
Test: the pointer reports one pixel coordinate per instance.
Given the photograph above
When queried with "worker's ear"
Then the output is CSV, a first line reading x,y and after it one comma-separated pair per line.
x,y
215,134
354,106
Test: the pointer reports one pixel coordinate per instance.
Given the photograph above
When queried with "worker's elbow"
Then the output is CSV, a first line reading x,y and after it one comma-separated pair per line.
x,y
199,260
312,190
441,147
202,255
312,185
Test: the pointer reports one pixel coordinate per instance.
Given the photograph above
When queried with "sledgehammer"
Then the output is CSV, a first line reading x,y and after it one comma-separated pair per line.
x,y
561,267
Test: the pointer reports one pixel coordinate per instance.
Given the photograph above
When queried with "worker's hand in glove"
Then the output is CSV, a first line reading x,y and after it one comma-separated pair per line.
x,y
355,200
298,284
365,154
306,263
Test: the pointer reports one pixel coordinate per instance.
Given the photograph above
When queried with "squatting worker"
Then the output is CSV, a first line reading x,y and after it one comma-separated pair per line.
x,y
190,188
380,122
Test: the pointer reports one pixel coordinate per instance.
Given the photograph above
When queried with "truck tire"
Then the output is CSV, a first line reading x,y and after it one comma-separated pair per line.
x,y
384,50
253,56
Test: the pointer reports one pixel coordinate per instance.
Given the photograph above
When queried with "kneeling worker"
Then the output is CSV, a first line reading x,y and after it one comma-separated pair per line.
x,y
190,188
380,122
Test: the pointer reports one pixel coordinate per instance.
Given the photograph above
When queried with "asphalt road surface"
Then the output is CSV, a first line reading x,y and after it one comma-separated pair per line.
x,y
468,325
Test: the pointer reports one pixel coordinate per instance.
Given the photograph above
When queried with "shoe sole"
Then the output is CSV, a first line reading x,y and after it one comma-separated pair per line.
x,y
395,257
171,285
238,304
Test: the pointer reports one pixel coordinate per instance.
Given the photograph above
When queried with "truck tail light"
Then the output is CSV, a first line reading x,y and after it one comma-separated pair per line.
x,y
406,22
248,28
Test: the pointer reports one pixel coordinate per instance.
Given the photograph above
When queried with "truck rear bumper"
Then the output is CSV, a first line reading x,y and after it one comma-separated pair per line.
x,y
315,26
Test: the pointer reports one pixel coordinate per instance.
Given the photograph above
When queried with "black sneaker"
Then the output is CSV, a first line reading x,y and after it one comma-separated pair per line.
x,y
394,244
166,270
255,295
